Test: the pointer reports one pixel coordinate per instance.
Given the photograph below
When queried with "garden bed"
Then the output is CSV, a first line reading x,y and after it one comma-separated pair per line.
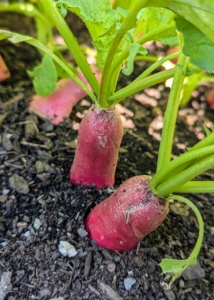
x,y
39,207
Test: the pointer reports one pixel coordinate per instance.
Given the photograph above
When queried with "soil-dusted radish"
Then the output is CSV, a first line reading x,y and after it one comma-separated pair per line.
x,y
4,72
58,106
127,216
98,143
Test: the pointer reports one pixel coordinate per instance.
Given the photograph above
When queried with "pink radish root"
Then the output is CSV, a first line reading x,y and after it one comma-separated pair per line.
x,y
58,106
4,72
98,143
127,216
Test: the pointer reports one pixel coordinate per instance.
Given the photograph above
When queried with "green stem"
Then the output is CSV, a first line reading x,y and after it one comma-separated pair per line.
x,y
30,10
207,141
194,187
178,266
71,42
165,172
64,66
154,66
165,150
128,24
140,85
146,58
171,185
117,63
207,78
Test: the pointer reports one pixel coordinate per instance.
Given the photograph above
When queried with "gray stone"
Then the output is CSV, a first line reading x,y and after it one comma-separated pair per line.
x,y
82,232
19,184
193,272
129,282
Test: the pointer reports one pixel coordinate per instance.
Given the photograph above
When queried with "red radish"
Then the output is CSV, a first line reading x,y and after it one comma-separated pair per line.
x,y
171,51
4,72
210,98
98,143
127,216
58,106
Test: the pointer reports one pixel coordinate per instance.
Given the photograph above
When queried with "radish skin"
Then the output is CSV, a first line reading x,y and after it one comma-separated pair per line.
x,y
127,216
98,143
4,72
58,106
210,98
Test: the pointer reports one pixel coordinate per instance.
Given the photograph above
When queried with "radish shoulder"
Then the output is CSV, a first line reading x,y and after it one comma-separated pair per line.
x,y
127,216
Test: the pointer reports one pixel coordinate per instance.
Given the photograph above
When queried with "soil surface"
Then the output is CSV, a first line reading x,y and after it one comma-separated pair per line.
x,y
39,207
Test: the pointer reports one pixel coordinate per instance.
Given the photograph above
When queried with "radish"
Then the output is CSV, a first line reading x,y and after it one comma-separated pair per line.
x,y
210,98
98,143
58,106
171,51
4,72
127,216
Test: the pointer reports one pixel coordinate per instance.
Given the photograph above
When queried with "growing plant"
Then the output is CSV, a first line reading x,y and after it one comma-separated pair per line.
x,y
120,35
53,101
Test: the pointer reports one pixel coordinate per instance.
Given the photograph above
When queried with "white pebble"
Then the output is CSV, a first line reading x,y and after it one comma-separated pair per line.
x,y
66,249
37,223
27,233
128,283
3,244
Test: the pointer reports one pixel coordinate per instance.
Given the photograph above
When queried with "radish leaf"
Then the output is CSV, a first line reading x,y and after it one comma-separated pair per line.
x,y
156,17
134,50
198,12
45,77
197,45
101,20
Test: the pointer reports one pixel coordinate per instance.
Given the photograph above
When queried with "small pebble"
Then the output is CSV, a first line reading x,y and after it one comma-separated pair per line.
x,y
66,249
21,224
3,244
3,198
19,184
111,267
26,234
116,258
83,233
5,191
37,223
129,282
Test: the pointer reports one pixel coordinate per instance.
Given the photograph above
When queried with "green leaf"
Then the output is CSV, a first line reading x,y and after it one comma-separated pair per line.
x,y
198,12
16,38
197,46
207,131
101,20
133,51
176,266
45,77
154,17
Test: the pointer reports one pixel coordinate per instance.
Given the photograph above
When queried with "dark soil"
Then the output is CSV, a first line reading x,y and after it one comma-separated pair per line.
x,y
39,207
